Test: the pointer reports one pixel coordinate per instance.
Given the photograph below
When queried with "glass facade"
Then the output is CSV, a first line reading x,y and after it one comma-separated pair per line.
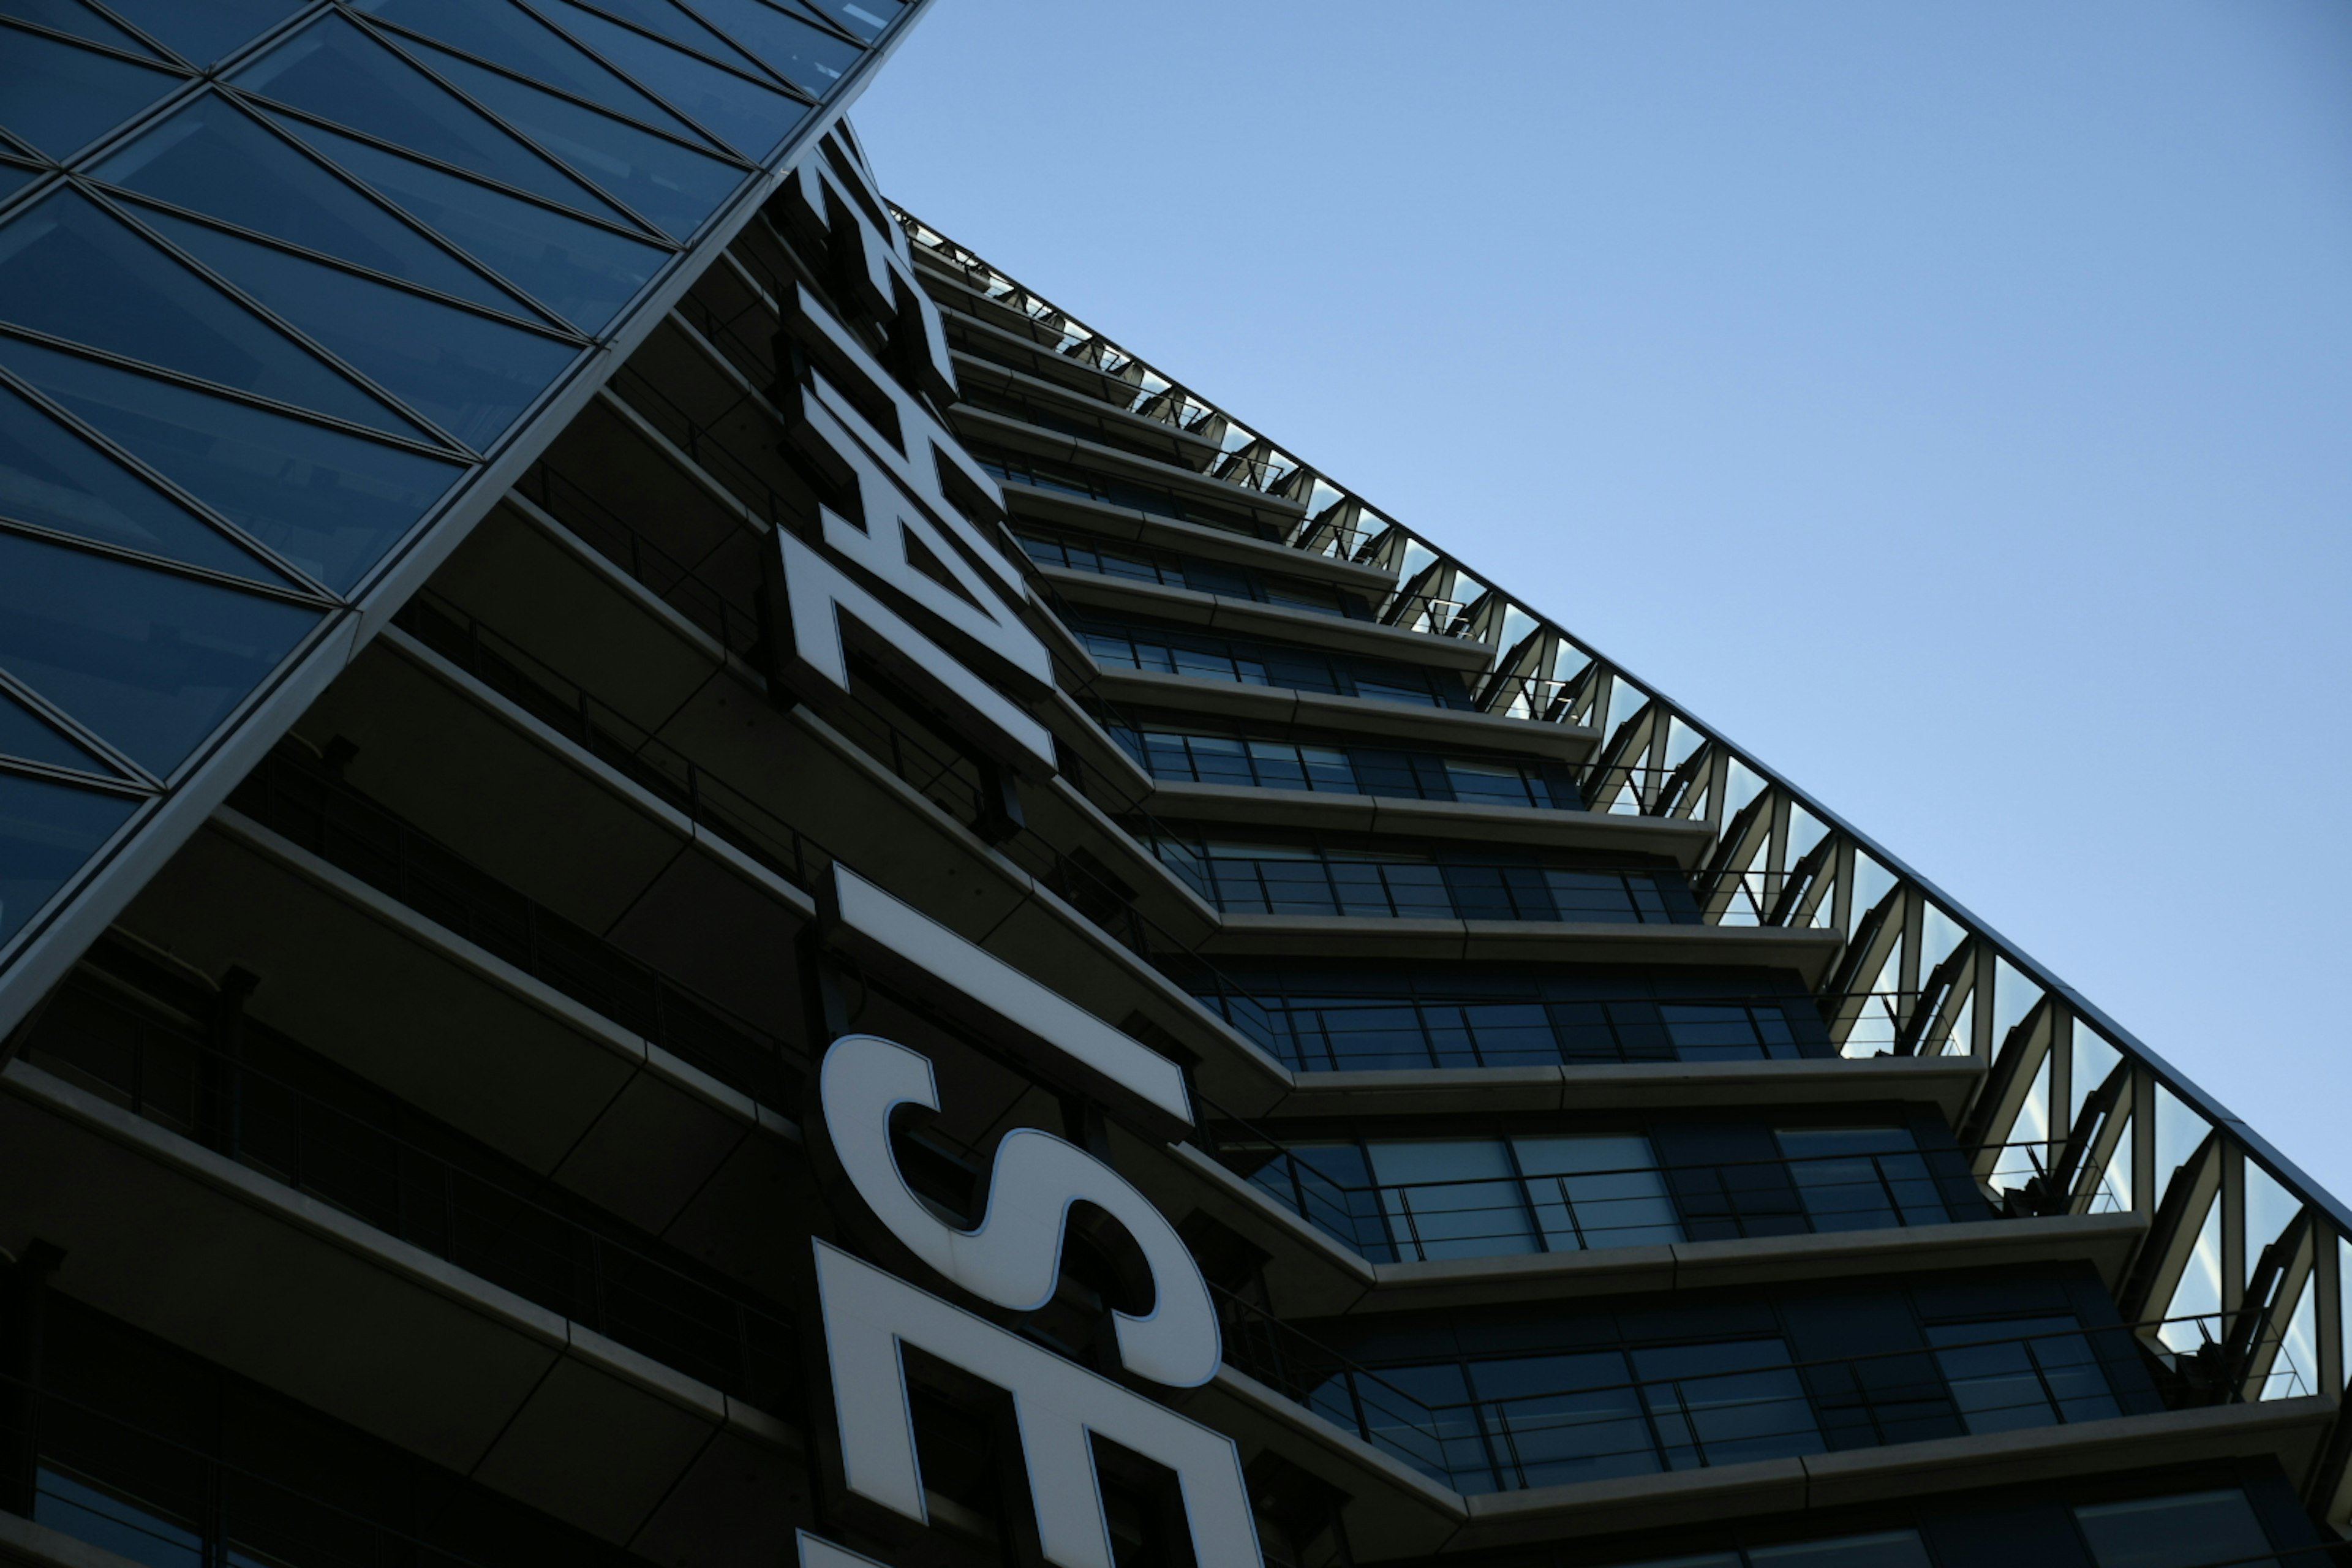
x,y
278,279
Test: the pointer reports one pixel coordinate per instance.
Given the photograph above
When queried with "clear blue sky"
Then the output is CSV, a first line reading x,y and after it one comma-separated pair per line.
x,y
1952,403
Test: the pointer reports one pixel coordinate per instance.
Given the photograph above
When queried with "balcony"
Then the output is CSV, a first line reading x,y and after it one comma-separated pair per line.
x,y
1505,1423
1313,880
1426,1200
275,1108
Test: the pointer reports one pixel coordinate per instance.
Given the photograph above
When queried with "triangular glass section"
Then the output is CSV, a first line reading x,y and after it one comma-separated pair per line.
x,y
75,272
2192,1318
469,374
47,832
73,17
52,478
14,178
865,18
507,36
668,183
205,33
748,116
212,158
330,502
808,57
60,98
339,73
26,735
150,661
582,272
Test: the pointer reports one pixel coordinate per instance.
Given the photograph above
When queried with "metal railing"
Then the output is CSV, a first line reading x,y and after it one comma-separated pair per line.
x,y
1344,885
1628,1206
474,1212
1756,1400
734,625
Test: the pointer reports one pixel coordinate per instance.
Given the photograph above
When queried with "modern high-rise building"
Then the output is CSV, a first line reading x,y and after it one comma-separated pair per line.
x,y
685,880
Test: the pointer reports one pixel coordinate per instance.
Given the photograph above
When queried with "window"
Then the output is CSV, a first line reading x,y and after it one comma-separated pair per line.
x,y
2203,1529
1861,1178
1453,1198
2021,1372
1591,1192
1720,1403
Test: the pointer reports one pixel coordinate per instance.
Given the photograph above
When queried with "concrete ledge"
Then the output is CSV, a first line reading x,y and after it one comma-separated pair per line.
x,y
1128,524
1250,618
1948,1083
1807,952
1685,841
1359,717
2107,1242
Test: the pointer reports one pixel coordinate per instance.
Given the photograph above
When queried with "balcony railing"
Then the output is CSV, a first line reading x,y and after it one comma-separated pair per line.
x,y
1695,1407
1238,880
327,1136
1609,1206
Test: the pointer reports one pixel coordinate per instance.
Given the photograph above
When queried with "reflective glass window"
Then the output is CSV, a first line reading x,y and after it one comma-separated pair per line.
x,y
150,661
331,503
2193,1532
69,269
25,733
2021,1372
582,272
507,36
339,73
60,98
745,115
47,831
211,158
665,181
865,18
14,177
665,18
471,376
1719,1404
1861,1178
52,478
206,32
73,17
1596,1191
1452,1198
1558,1418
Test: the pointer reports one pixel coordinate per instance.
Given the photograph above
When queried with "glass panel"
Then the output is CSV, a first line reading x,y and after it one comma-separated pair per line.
x,y
866,18
150,661
2194,1532
1452,1199
211,158
206,32
1566,1417
51,477
60,98
339,73
2095,1060
507,36
670,185
67,269
47,831
2192,1318
15,178
25,733
808,58
329,502
583,273
661,18
1861,1178
2269,1208
73,17
2295,1370
1597,1192
749,118
115,1525
471,376
1719,1404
